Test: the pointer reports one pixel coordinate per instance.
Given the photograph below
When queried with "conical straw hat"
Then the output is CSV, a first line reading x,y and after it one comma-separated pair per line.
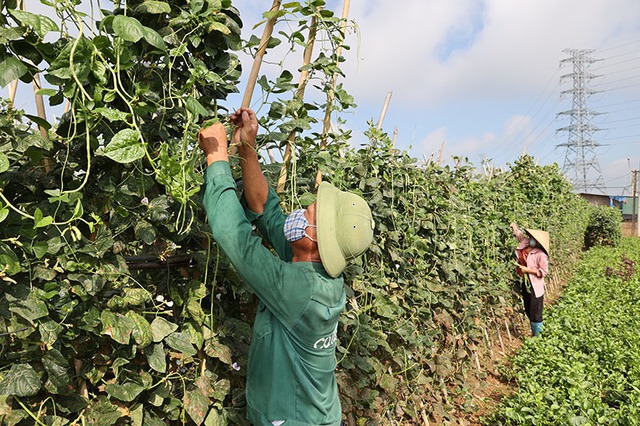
x,y
541,237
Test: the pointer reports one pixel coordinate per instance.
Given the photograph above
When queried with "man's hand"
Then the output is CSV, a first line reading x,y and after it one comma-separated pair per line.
x,y
246,128
213,143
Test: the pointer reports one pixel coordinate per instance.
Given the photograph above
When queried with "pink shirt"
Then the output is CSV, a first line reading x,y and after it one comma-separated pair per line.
x,y
537,259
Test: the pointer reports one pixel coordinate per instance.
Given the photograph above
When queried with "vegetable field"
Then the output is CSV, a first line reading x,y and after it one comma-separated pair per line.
x,y
116,306
585,369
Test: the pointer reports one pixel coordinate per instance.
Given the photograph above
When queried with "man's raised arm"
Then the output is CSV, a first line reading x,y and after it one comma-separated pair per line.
x,y
255,184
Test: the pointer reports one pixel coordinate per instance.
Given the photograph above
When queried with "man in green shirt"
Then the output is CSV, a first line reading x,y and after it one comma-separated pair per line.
x,y
291,373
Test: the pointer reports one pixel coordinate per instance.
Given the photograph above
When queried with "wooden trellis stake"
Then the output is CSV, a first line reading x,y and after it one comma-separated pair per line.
x,y
383,113
13,88
486,335
500,337
440,155
326,122
302,84
39,104
257,62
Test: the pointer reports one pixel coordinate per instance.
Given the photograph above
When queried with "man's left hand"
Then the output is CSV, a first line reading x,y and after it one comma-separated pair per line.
x,y
213,143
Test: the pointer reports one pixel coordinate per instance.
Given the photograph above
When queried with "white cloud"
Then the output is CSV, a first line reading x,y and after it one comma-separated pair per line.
x,y
517,45
432,143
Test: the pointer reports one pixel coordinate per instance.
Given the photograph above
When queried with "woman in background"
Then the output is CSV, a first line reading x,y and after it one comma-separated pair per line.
x,y
533,265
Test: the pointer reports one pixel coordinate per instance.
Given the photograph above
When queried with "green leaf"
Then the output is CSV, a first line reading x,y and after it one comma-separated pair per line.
x,y
41,24
126,392
217,26
194,307
145,231
141,332
9,263
161,328
181,342
60,71
101,412
156,357
40,249
153,7
11,69
117,326
39,121
9,34
215,349
56,367
92,283
4,162
221,389
129,29
46,92
215,418
153,38
196,404
41,221
112,114
4,212
125,147
21,380
195,107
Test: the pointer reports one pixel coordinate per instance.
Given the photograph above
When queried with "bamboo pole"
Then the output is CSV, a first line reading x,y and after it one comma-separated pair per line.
x,y
500,337
395,137
40,104
47,162
257,62
440,155
302,84
486,335
326,121
13,88
383,113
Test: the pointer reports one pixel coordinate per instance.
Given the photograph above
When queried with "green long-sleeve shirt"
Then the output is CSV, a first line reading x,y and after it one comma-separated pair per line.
x,y
291,371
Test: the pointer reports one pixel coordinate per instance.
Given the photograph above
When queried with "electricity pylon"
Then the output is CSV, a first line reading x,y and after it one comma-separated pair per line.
x,y
581,165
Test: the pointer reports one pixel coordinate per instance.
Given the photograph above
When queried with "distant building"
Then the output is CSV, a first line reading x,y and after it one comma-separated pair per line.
x,y
622,202
597,199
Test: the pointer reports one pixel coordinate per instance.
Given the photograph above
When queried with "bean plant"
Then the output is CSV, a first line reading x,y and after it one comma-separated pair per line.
x,y
116,305
439,271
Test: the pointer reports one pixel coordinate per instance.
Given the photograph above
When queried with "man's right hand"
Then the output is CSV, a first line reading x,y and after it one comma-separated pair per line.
x,y
246,128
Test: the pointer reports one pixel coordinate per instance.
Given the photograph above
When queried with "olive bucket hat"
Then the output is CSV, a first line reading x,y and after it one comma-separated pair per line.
x,y
344,226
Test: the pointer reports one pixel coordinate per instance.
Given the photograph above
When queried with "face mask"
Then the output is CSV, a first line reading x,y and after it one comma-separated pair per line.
x,y
295,226
533,243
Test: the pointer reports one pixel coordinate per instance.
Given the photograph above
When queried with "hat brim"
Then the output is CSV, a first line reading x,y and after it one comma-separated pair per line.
x,y
332,258
540,236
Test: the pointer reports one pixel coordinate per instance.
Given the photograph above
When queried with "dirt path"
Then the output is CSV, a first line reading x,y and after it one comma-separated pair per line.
x,y
490,385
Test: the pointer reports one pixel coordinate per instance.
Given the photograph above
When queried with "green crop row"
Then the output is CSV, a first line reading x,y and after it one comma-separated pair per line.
x,y
585,369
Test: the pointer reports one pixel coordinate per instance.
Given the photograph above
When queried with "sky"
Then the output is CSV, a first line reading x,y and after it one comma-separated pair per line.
x,y
483,77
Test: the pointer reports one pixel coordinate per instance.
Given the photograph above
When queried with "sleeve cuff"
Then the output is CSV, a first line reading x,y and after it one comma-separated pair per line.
x,y
217,170
251,215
